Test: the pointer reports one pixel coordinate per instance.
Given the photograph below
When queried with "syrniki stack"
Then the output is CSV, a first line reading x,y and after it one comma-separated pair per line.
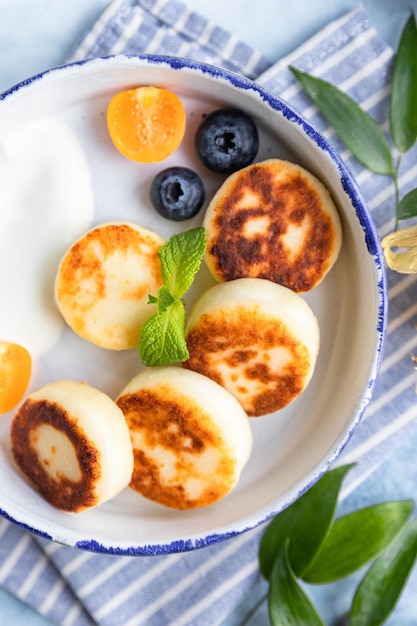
x,y
104,280
273,220
257,339
72,442
191,438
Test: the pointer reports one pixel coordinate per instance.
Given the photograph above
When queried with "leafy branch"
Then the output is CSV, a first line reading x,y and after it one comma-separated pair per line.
x,y
307,544
368,143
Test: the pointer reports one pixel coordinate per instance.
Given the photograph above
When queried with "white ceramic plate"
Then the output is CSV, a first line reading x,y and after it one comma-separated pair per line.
x,y
292,448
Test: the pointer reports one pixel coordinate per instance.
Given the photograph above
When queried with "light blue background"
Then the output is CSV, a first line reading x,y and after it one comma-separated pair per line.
x,y
35,36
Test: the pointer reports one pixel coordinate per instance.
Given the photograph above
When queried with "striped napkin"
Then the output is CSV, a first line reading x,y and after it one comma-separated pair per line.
x,y
202,588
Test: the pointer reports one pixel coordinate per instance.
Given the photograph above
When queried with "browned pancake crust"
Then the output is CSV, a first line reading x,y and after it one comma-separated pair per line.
x,y
240,339
176,423
63,494
279,203
84,265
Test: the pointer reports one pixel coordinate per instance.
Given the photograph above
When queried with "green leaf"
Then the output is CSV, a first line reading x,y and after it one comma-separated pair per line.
x,y
407,207
162,337
181,258
381,587
287,603
165,299
403,104
355,127
162,340
357,538
305,523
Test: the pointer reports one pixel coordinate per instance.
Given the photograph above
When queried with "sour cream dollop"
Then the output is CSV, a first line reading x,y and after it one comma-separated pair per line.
x,y
46,201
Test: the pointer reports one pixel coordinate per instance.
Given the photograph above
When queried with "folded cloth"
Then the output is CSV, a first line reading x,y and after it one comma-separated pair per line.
x,y
201,588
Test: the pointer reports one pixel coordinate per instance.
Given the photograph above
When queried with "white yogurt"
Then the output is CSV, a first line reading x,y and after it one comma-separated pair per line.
x,y
46,202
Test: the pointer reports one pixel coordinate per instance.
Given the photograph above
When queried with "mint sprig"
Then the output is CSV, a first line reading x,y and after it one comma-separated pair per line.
x,y
162,340
181,260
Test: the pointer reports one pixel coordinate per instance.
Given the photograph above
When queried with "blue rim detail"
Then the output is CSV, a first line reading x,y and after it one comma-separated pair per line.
x,y
371,239
26,527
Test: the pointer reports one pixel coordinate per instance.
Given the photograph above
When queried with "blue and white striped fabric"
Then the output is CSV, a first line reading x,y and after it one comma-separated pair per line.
x,y
201,588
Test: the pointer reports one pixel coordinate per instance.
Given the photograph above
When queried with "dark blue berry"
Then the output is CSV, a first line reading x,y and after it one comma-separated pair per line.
x,y
227,140
177,193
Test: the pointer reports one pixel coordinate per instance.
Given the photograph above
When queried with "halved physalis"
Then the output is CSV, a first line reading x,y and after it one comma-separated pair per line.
x,y
15,370
146,124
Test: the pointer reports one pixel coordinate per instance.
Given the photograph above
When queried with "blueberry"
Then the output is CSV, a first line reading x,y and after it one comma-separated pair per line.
x,y
227,140
177,193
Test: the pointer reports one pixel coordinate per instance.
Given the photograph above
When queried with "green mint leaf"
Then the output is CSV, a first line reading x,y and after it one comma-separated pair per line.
x,y
287,603
162,337
357,538
403,103
355,127
382,585
164,299
407,207
162,340
305,524
181,258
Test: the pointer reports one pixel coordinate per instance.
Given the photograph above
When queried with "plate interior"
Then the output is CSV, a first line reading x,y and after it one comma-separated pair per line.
x,y
291,447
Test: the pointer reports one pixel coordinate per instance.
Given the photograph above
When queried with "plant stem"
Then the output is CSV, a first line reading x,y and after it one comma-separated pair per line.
x,y
397,191
254,609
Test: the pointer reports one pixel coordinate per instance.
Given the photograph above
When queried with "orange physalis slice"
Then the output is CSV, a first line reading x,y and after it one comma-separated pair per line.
x,y
15,369
146,124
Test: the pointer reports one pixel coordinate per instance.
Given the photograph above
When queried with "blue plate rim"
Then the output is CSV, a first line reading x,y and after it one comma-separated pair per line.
x,y
373,245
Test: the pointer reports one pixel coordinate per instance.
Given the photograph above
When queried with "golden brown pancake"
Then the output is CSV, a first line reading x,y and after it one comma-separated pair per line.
x,y
257,339
104,280
190,437
273,220
72,443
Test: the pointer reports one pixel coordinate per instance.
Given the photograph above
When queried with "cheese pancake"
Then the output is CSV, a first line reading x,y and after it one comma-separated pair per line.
x,y
191,438
257,339
273,220
72,442
104,280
